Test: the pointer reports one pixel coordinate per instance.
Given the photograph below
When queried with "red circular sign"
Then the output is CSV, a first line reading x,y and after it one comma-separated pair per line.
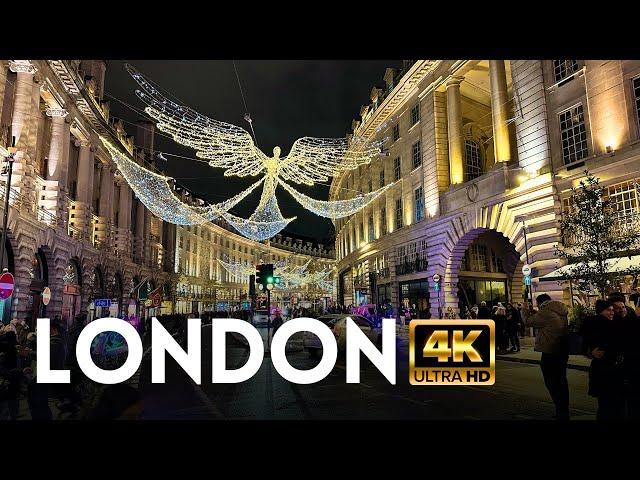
x,y
46,296
6,285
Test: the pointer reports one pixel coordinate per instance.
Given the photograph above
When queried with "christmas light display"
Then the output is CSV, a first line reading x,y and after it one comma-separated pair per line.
x,y
336,208
292,276
232,148
155,192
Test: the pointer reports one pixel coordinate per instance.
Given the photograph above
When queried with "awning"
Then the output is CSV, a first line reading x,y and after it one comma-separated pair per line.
x,y
615,265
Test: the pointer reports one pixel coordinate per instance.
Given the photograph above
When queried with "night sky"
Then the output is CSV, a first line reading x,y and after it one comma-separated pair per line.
x,y
286,99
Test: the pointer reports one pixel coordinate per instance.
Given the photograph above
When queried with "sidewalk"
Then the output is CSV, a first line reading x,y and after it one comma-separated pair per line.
x,y
525,355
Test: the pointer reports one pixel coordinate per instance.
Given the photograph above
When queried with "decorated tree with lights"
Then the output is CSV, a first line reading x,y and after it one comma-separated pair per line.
x,y
232,148
594,239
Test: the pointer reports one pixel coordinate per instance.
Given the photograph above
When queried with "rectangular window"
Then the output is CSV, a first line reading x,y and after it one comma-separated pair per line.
x,y
419,204
396,169
478,258
372,232
399,214
396,132
574,135
563,69
473,165
416,155
624,201
382,177
383,221
401,254
362,233
370,185
415,114
636,92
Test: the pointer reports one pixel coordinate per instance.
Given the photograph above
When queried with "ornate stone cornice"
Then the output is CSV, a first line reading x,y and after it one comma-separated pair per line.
x,y
56,112
83,143
22,66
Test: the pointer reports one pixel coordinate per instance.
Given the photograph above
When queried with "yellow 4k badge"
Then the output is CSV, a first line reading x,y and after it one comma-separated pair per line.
x,y
452,352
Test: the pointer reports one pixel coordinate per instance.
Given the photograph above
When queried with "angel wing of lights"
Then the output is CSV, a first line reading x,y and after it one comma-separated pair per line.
x,y
337,208
232,148
157,195
225,145
314,160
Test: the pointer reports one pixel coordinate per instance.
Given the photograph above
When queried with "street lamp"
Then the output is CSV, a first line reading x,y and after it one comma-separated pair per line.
x,y
9,155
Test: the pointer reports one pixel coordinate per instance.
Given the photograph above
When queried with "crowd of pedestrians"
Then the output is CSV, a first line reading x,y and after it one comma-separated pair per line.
x,y
18,377
608,338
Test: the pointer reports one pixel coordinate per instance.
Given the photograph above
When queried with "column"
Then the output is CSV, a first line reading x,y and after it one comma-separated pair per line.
x,y
124,219
499,111
106,197
53,198
84,198
147,250
21,122
454,128
3,83
139,243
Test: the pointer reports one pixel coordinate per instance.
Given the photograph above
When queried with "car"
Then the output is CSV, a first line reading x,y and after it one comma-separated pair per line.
x,y
338,325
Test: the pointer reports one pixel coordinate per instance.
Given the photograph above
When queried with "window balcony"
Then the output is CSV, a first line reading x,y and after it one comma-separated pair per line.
x,y
418,265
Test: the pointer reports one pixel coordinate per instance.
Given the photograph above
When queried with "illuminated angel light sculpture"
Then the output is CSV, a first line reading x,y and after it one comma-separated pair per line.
x,y
232,148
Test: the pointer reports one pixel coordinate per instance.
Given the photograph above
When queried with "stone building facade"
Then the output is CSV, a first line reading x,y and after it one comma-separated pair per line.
x,y
205,285
483,154
75,226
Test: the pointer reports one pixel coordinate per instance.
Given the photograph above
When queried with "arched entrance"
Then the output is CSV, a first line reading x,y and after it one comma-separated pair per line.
x,y
71,299
39,279
484,267
5,305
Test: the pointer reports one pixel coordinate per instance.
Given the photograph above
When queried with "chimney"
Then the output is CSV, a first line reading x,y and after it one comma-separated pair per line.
x,y
145,137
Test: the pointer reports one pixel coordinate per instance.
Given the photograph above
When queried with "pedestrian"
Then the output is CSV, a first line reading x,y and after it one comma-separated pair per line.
x,y
499,316
483,312
277,322
513,327
10,375
604,340
552,340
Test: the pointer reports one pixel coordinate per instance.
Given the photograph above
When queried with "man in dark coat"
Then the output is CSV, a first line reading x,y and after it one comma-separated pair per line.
x,y
631,332
604,340
483,312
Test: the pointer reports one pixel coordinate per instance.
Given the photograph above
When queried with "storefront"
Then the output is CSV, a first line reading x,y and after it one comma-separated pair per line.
x,y
473,291
415,294
5,305
71,299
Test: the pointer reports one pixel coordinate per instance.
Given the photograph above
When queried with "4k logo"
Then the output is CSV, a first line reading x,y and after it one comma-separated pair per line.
x,y
451,352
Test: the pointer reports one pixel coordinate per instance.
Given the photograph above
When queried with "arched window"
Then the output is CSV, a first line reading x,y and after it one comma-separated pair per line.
x,y
472,159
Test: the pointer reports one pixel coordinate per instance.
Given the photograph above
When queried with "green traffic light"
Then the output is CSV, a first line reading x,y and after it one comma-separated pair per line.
x,y
276,280
270,280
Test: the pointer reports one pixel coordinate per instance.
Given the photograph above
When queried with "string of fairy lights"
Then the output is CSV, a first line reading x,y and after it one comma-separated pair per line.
x,y
232,148
292,276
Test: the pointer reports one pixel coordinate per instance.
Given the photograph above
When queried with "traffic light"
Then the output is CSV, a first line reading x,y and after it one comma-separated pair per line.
x,y
264,274
259,274
276,280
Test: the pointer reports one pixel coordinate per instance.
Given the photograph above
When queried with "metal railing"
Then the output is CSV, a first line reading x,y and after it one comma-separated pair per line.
x,y
418,265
